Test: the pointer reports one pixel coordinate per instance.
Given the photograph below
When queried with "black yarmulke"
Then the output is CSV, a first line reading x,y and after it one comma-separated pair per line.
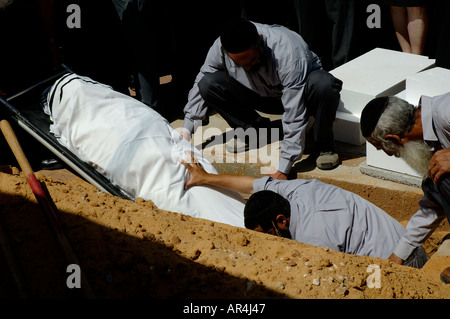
x,y
238,35
371,114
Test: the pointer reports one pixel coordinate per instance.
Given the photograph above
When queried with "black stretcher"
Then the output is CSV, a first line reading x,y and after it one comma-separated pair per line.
x,y
24,108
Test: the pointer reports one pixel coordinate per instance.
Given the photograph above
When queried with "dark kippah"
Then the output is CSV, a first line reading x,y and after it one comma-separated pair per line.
x,y
261,207
371,114
238,35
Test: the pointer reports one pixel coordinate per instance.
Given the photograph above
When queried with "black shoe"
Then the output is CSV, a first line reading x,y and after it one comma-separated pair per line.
x,y
327,160
235,145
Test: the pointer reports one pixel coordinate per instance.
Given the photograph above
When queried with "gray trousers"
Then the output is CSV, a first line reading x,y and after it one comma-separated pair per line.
x,y
237,104
439,193
417,259
138,19
328,27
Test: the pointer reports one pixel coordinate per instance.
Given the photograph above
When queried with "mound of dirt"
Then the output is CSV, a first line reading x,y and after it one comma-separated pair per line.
x,y
134,250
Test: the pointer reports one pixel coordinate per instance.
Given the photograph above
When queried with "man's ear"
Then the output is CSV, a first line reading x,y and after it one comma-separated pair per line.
x,y
396,139
282,222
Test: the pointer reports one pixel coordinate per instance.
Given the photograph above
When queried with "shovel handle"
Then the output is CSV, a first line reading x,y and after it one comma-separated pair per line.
x,y
42,197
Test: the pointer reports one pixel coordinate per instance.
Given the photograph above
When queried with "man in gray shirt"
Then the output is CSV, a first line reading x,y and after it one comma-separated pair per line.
x,y
270,68
312,212
421,136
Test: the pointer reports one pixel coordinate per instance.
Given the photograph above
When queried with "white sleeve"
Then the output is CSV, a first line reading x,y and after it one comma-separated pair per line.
x,y
419,227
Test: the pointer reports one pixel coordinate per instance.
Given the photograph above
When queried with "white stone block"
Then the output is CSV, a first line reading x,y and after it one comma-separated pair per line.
x,y
432,82
346,128
401,95
353,102
378,72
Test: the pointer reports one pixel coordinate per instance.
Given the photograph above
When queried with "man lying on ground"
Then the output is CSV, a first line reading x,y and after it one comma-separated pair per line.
x,y
312,212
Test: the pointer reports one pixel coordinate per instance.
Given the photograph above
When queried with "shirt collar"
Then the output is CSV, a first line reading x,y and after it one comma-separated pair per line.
x,y
429,136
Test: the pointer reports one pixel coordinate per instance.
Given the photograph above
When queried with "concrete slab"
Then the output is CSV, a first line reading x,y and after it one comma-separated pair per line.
x,y
378,72
390,175
432,82
346,128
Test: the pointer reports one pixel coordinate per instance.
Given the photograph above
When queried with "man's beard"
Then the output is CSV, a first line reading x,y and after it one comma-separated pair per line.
x,y
417,154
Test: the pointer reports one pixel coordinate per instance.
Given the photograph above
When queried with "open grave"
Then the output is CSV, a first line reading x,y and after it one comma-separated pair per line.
x,y
133,249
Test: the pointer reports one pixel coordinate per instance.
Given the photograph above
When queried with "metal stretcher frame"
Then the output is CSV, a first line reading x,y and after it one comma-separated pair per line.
x,y
24,109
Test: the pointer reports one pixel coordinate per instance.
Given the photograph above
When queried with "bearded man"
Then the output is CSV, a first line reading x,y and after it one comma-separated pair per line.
x,y
421,136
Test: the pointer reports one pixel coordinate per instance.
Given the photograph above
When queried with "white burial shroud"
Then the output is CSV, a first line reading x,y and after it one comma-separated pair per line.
x,y
135,148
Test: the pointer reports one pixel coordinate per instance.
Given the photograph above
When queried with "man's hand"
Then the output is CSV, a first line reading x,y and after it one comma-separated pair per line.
x,y
278,175
395,259
439,164
185,135
197,175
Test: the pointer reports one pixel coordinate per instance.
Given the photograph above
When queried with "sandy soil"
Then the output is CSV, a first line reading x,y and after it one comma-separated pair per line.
x,y
135,250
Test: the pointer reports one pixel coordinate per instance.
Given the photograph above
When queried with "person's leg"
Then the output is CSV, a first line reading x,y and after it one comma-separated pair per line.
x,y
322,100
341,15
400,21
417,259
417,28
237,104
440,194
147,57
232,100
137,19
314,28
444,189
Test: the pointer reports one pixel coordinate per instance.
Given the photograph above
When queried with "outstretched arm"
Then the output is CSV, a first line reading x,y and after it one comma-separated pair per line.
x,y
198,176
